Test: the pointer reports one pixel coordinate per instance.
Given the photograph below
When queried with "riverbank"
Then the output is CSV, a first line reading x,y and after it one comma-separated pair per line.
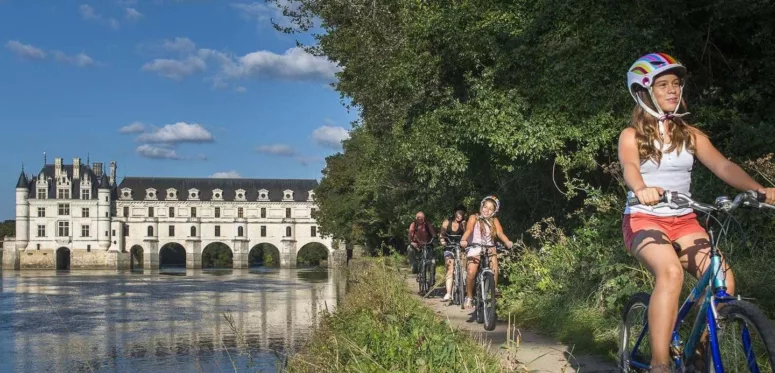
x,y
380,326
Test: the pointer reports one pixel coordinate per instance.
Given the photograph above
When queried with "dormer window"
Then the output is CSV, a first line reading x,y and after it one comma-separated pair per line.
x,y
239,195
263,195
287,195
42,193
172,194
217,194
193,194
126,193
311,196
150,194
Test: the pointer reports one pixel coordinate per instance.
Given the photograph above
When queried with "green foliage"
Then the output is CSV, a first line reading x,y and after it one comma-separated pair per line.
x,y
7,229
525,99
264,254
312,254
380,327
217,255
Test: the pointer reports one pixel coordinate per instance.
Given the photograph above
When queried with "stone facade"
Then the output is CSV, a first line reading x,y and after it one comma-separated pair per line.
x,y
76,216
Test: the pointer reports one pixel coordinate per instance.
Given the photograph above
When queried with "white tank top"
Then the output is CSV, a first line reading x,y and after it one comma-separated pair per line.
x,y
673,173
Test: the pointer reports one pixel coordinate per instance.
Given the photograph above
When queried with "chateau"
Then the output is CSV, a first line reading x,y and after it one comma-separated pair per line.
x,y
78,216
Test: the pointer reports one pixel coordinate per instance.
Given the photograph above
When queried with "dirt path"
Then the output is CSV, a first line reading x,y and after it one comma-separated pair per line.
x,y
534,353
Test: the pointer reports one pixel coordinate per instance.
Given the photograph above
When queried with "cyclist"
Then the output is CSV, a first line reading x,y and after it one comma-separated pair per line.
x,y
657,153
485,228
420,233
454,226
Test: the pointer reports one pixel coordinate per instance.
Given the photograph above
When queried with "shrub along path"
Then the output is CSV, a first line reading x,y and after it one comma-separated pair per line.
x,y
531,352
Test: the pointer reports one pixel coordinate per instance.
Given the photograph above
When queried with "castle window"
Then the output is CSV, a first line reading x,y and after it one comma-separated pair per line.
x,y
85,194
263,231
126,211
263,195
313,231
150,211
287,195
41,194
172,212
287,231
150,231
41,231
287,212
240,212
172,193
63,193
172,231
63,229
64,209
217,212
240,194
217,231
41,212
84,231
193,212
193,194
193,231
85,212
263,212
240,231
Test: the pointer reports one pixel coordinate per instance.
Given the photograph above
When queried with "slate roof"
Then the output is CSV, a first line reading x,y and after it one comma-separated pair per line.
x,y
23,182
300,187
48,172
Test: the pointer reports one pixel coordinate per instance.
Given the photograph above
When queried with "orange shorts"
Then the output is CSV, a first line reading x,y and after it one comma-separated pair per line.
x,y
674,227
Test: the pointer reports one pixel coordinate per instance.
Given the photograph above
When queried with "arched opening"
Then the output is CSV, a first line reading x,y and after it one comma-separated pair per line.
x,y
172,255
313,254
264,255
136,258
287,231
240,231
63,259
150,231
217,255
193,231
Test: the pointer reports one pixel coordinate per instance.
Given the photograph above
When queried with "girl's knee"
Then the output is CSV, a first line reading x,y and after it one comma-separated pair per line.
x,y
670,275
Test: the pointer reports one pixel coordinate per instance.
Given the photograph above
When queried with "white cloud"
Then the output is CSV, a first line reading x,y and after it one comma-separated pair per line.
x,y
179,44
135,127
88,12
27,51
226,175
175,69
178,133
240,89
330,136
305,161
265,12
80,59
132,14
276,149
156,152
294,64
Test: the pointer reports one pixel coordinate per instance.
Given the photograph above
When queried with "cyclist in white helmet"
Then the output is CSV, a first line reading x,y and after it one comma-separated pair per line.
x,y
657,153
483,229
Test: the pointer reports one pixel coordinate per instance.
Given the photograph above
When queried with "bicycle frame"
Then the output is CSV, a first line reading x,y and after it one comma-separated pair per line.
x,y
713,295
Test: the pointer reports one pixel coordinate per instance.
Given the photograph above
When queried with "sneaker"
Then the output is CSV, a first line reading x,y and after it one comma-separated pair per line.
x,y
468,303
447,297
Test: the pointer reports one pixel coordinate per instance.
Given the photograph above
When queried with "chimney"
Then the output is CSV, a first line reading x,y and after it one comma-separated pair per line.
x,y
57,167
76,168
97,168
113,173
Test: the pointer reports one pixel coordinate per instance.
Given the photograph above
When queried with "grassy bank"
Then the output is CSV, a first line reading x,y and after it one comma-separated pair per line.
x,y
380,326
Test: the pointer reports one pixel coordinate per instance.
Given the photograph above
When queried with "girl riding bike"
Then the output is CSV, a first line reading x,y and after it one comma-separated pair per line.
x,y
657,152
486,228
452,227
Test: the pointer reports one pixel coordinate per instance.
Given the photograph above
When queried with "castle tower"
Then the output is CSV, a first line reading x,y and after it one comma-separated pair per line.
x,y
22,212
103,213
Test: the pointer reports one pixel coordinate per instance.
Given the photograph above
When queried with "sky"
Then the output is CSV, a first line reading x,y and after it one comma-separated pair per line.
x,y
177,88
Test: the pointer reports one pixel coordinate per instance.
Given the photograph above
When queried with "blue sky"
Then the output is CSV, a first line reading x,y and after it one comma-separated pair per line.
x,y
165,88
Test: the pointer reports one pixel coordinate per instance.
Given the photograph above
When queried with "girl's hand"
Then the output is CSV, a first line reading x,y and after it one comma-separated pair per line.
x,y
770,192
649,196
463,244
509,244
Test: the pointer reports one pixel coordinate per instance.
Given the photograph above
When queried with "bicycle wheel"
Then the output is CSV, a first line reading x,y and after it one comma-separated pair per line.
x,y
431,275
746,339
488,301
478,299
423,284
461,288
634,320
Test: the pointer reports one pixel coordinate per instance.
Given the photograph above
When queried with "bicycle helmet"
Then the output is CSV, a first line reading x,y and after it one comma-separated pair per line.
x,y
494,199
645,71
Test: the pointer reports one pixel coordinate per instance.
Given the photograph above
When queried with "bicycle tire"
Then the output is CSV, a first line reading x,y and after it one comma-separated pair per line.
x,y
637,301
428,277
488,302
748,312
461,290
423,283
478,299
431,275
455,283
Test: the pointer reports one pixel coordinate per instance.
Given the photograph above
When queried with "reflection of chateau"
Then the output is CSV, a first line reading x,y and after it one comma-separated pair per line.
x,y
78,216
147,323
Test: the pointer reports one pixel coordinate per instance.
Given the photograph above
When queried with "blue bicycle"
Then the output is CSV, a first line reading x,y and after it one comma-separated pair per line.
x,y
740,336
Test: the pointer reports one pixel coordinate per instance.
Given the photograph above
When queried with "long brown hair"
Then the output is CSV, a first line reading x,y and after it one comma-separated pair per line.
x,y
647,131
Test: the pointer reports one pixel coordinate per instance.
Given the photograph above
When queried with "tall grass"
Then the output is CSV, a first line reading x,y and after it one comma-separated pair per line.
x,y
381,327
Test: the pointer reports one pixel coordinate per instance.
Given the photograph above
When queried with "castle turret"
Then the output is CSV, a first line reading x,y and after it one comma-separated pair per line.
x,y
103,212
22,212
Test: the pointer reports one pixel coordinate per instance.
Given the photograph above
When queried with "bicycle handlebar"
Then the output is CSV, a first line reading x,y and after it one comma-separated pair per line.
x,y
676,200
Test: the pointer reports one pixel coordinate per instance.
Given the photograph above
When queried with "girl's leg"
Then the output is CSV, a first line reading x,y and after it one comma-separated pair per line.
x,y
450,269
494,264
655,251
473,266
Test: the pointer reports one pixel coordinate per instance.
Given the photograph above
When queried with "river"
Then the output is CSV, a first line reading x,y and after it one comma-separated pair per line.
x,y
178,321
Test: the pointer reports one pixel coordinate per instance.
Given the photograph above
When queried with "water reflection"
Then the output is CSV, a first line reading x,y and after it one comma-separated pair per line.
x,y
159,322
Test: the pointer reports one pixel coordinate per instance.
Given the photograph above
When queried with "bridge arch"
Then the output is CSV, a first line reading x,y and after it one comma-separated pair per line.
x,y
136,257
63,259
172,255
264,254
217,255
312,254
